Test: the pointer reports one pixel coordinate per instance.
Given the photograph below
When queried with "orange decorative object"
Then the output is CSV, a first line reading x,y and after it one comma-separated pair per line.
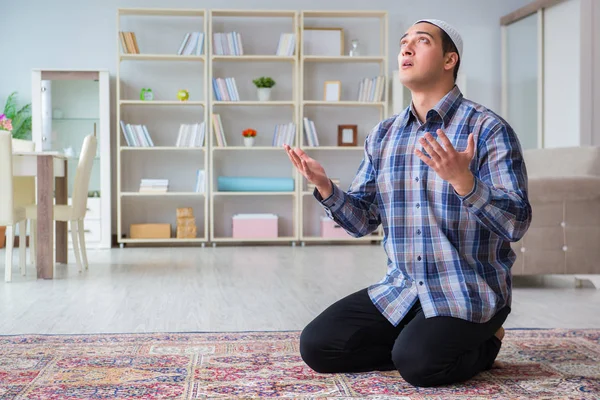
x,y
249,133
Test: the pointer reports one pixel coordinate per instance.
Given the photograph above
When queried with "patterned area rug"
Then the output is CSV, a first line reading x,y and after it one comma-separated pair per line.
x,y
534,364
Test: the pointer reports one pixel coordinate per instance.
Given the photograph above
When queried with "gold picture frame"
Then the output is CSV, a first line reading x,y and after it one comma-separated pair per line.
x,y
323,41
332,90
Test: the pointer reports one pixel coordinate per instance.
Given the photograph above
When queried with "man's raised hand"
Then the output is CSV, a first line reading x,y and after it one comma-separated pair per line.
x,y
310,169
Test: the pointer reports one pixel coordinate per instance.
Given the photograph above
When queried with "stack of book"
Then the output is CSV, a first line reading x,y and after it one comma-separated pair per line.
x,y
284,133
219,132
154,185
371,89
312,139
186,223
225,89
136,135
287,44
228,44
192,44
191,135
129,43
200,181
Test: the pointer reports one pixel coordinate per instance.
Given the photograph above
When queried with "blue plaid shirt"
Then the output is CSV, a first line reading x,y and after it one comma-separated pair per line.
x,y
451,252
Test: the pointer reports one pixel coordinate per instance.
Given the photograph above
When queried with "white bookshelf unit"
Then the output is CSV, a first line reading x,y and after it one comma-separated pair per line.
x,y
257,34
165,59
240,46
341,162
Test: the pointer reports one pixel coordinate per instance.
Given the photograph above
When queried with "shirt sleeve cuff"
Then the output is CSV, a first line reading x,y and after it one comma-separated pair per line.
x,y
479,197
332,203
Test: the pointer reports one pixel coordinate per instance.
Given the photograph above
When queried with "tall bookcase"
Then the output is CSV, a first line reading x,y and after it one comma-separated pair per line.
x,y
341,162
257,34
251,40
156,63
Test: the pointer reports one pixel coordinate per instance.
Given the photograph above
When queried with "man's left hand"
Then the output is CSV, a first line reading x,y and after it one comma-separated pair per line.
x,y
451,165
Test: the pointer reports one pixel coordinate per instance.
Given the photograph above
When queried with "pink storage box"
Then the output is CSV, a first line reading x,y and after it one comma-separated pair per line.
x,y
256,226
330,229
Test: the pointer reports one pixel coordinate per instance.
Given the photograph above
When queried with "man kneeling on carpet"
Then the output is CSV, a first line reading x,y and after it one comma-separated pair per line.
x,y
447,181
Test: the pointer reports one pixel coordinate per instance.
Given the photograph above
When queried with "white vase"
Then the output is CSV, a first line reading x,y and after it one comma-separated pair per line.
x,y
264,94
248,141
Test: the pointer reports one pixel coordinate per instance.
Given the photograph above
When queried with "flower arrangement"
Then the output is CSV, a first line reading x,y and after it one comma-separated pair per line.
x,y
264,82
249,133
5,123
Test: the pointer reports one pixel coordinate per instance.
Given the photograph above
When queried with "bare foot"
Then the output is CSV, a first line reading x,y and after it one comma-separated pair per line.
x,y
500,333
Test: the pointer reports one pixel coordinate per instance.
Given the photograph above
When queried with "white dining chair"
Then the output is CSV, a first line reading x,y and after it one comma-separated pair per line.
x,y
10,215
24,188
74,213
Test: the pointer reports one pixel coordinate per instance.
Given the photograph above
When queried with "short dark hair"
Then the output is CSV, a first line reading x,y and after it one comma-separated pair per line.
x,y
448,46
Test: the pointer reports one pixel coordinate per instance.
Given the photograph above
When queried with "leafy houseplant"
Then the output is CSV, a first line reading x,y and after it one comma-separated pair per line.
x,y
264,85
20,118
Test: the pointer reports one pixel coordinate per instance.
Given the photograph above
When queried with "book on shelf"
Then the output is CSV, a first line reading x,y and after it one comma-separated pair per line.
x,y
225,89
371,89
192,44
312,139
129,43
228,44
191,135
154,185
200,181
136,135
287,44
284,134
219,132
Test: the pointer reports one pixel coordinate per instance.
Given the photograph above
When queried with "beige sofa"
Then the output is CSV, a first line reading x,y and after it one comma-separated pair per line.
x,y
564,192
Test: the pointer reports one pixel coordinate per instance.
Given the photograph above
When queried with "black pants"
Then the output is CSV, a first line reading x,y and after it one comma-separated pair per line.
x,y
353,336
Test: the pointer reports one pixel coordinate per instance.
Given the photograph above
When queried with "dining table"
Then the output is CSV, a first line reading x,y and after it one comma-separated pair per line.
x,y
50,170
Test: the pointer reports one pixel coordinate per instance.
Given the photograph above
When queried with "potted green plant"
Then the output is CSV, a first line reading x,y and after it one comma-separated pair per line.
x,y
264,85
18,123
20,119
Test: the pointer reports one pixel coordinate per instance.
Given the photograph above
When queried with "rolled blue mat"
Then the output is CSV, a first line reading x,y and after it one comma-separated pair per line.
x,y
254,184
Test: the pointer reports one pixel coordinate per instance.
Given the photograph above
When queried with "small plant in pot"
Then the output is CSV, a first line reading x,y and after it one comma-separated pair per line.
x,y
264,85
249,135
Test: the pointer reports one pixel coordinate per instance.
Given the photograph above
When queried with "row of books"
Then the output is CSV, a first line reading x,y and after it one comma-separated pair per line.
x,y
311,133
225,89
218,129
136,135
284,134
191,135
200,186
162,185
287,44
154,185
192,44
129,43
371,89
228,44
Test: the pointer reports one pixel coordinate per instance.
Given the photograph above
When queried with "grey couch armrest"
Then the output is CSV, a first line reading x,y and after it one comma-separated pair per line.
x,y
584,187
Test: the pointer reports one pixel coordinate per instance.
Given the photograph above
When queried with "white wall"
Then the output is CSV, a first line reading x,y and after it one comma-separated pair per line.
x,y
596,73
562,75
74,34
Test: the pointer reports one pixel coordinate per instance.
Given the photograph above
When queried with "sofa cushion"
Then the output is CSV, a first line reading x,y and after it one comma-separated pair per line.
x,y
562,188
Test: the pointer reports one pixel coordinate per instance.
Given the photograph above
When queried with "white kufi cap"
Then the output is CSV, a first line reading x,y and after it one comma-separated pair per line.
x,y
449,29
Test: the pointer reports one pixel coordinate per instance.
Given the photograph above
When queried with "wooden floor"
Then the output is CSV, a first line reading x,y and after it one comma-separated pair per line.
x,y
236,289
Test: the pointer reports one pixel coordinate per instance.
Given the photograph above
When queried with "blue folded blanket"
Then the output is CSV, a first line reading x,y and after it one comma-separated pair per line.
x,y
254,184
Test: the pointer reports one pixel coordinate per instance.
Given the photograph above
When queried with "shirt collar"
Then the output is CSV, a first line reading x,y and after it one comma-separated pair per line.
x,y
445,108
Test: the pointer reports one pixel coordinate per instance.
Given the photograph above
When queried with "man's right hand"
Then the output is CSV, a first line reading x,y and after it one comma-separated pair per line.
x,y
311,170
